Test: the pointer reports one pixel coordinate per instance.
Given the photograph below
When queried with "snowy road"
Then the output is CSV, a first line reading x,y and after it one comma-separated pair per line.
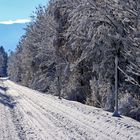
x,y
26,114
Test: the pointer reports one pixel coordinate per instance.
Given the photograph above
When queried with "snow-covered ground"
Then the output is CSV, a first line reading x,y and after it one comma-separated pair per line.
x,y
26,114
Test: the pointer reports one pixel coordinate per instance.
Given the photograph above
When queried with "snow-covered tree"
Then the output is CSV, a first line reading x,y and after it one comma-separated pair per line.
x,y
70,48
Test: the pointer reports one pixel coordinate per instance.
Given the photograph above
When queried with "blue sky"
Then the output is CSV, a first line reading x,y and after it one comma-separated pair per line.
x,y
14,14
18,9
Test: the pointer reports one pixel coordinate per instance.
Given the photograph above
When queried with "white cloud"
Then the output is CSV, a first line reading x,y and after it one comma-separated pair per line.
x,y
15,21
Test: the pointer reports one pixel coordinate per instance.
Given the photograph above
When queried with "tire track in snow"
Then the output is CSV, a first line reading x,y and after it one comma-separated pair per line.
x,y
71,119
48,115
7,128
67,115
61,114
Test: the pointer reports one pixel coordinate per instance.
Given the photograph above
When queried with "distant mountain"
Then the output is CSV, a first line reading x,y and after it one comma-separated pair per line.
x,y
10,35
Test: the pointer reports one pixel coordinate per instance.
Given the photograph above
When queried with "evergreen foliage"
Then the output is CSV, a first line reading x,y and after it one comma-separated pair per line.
x,y
3,62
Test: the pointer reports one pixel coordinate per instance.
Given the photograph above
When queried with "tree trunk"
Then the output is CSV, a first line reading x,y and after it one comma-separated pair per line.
x,y
59,87
116,114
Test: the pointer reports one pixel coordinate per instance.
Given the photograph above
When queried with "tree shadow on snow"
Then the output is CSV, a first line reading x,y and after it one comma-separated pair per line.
x,y
3,88
5,99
